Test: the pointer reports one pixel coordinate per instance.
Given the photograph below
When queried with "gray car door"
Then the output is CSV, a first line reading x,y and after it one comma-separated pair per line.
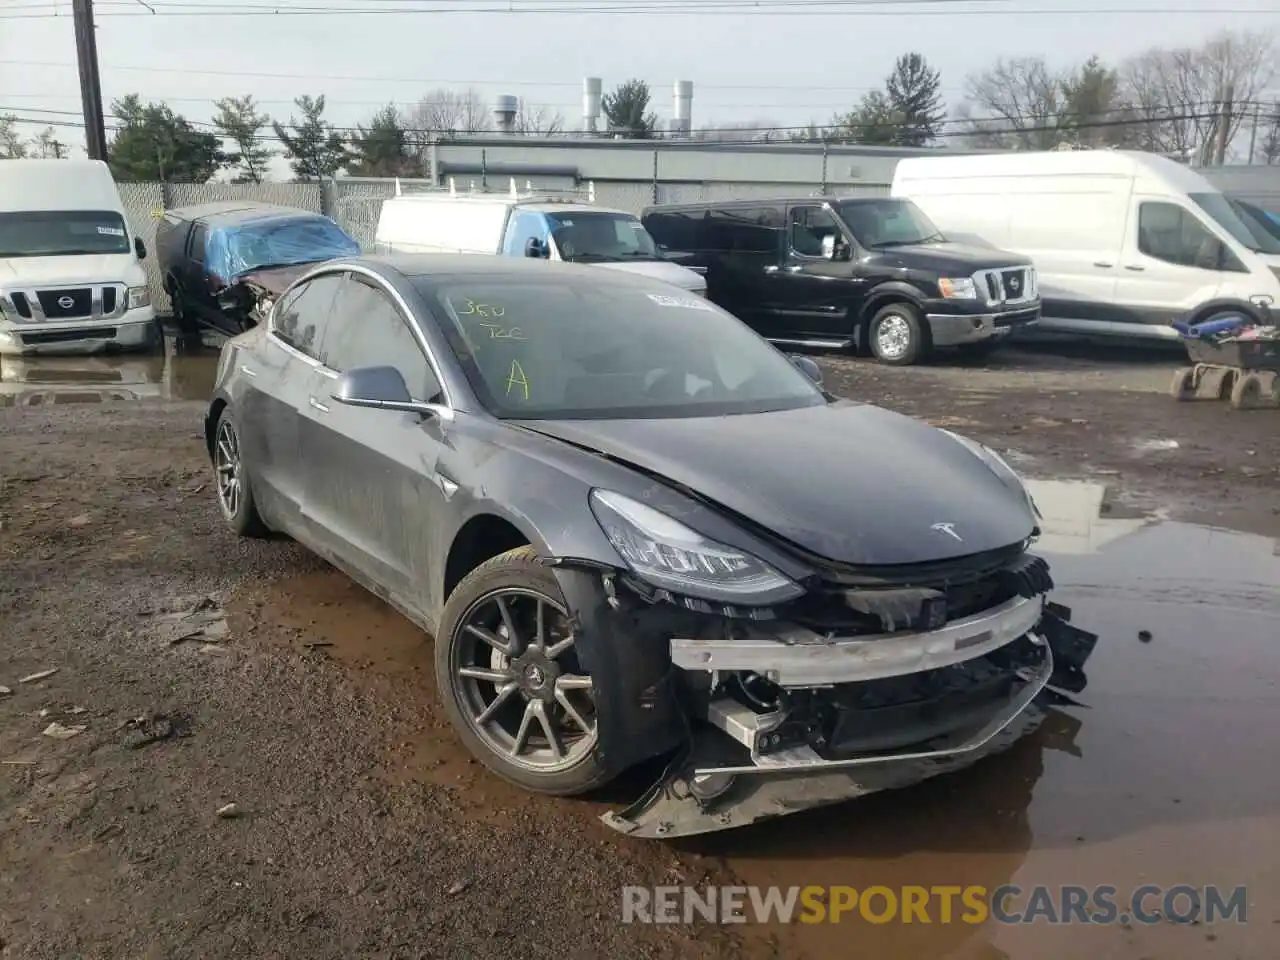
x,y
372,487
277,378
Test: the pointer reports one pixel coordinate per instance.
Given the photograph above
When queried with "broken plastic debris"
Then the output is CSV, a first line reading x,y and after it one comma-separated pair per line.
x,y
33,677
5,691
59,732
228,811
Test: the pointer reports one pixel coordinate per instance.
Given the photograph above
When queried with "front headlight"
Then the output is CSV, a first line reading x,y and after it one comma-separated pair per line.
x,y
139,297
958,288
668,554
998,465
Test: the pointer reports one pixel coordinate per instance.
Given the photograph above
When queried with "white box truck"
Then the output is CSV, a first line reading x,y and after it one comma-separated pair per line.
x,y
1123,242
70,280
546,226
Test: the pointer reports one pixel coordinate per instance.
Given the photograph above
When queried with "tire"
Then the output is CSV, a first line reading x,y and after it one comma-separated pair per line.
x,y
181,320
240,512
1247,392
897,336
1183,386
522,583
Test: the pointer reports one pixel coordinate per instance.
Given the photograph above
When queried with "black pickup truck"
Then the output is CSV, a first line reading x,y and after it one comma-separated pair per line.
x,y
872,274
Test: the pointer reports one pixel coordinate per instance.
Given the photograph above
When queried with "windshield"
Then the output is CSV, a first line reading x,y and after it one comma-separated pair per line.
x,y
888,223
1260,223
577,349
62,233
283,243
601,237
1220,209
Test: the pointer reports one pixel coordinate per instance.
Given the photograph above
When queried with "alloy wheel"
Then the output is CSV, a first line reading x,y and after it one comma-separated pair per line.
x,y
516,677
227,468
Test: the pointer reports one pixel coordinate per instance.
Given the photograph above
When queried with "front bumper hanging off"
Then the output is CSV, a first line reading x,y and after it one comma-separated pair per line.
x,y
726,777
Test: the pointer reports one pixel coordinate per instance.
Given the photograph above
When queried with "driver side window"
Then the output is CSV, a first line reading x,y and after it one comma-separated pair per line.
x,y
367,330
1168,232
808,227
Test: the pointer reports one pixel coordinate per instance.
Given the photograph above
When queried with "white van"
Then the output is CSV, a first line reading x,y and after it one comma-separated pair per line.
x,y
531,225
70,280
1123,242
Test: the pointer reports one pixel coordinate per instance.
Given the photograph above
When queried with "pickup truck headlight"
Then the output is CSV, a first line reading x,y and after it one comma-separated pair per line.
x,y
139,297
958,288
997,464
667,554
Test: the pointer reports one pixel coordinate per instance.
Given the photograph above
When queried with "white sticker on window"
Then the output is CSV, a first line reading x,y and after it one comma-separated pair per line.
x,y
689,303
566,223
111,231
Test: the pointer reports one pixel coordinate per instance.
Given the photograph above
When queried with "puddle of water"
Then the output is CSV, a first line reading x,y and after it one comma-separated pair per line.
x,y
183,370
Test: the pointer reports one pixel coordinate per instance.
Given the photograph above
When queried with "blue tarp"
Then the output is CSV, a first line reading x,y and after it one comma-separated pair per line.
x,y
234,250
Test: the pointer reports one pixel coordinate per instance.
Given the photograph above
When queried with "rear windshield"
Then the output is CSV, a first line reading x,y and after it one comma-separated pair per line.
x,y
279,243
62,233
576,349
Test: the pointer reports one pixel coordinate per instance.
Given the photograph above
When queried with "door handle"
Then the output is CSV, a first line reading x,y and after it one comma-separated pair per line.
x,y
771,268
1128,266
1101,263
248,371
317,405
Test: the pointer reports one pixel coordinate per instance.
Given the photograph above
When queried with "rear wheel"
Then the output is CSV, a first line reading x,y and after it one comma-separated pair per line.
x,y
511,681
897,336
235,495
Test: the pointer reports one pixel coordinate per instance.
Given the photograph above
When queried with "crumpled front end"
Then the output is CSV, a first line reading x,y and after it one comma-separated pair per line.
x,y
798,708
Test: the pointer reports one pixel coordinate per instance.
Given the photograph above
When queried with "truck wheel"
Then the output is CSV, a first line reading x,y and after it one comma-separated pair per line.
x,y
510,679
896,335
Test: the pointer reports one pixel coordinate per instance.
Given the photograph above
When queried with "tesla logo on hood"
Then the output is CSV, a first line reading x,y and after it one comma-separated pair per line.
x,y
949,529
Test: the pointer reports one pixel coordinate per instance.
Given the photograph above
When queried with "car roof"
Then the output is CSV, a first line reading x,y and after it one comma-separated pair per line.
x,y
226,212
760,202
443,267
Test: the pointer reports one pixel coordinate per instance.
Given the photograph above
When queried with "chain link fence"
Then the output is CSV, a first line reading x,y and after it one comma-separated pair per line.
x,y
355,204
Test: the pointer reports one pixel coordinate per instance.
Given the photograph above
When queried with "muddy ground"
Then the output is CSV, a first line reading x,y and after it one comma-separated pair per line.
x,y
361,829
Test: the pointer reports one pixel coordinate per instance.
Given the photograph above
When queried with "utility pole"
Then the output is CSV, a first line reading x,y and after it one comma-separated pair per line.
x,y
1253,131
95,133
1224,126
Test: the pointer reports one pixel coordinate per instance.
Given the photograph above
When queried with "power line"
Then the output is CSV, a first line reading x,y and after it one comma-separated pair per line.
x,y
984,126
735,8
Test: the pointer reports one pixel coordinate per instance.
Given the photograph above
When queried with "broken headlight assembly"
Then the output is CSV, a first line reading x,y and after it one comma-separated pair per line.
x,y
997,464
667,554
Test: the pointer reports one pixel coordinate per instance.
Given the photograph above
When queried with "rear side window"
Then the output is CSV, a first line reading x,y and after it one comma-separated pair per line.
x,y
743,229
675,230
1168,232
302,317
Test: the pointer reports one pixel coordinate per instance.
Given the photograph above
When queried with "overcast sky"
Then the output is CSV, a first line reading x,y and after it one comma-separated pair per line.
x,y
788,68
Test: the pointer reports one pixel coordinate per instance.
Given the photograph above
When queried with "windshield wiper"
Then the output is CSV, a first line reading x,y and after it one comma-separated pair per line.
x,y
895,243
591,258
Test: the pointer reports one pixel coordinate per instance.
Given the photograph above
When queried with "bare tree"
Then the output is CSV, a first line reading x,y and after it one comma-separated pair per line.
x,y
535,121
12,145
1175,94
446,112
1016,104
1270,145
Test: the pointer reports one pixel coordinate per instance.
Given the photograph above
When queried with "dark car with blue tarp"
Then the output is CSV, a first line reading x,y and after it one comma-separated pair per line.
x,y
224,264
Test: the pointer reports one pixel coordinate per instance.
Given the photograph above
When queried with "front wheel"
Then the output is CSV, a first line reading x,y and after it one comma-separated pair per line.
x,y
897,335
510,679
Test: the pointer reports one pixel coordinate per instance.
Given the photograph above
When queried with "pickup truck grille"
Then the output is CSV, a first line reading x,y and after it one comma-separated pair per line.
x,y
36,305
1009,285
66,304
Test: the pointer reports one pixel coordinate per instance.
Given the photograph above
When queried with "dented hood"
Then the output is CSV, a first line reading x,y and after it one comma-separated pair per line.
x,y
849,482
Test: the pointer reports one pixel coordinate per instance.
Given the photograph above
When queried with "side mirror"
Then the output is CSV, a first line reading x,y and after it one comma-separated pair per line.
x,y
383,388
139,248
829,247
808,368
534,247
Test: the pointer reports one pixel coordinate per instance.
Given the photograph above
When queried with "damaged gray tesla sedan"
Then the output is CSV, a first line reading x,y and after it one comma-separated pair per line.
x,y
637,532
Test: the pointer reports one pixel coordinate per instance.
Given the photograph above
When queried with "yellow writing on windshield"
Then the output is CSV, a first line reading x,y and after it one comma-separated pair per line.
x,y
499,333
516,378
485,310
